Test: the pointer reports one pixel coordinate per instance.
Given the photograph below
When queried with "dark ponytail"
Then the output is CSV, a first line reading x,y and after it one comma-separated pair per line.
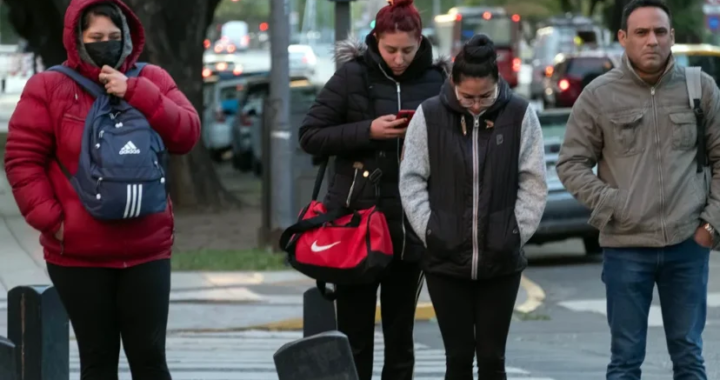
x,y
478,59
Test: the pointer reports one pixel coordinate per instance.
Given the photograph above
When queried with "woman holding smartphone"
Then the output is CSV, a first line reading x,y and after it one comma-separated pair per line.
x,y
473,186
354,118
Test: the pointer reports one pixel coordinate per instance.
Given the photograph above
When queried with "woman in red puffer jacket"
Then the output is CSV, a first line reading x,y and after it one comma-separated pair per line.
x,y
112,277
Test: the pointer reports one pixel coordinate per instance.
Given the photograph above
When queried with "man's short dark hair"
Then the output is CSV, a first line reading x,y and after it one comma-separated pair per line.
x,y
636,4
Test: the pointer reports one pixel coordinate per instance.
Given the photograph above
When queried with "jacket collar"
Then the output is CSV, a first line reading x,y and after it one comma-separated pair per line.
x,y
627,68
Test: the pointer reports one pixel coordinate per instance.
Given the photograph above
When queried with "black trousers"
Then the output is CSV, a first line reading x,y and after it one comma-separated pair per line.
x,y
107,305
399,291
474,319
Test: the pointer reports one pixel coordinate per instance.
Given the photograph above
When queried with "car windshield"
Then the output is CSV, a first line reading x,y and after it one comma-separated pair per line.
x,y
710,64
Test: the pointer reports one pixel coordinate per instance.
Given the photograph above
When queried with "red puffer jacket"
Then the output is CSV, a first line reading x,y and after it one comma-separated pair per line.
x,y
48,124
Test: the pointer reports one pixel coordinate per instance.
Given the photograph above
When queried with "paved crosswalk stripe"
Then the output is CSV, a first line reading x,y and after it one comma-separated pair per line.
x,y
249,356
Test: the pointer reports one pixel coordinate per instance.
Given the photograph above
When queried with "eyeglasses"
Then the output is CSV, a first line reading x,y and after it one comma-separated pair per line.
x,y
482,101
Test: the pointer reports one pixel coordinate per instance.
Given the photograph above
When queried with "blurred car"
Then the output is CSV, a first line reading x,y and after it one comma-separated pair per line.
x,y
303,60
248,127
565,35
220,101
572,72
704,56
564,217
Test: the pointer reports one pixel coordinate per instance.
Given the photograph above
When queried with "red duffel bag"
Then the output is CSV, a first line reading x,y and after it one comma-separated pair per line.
x,y
339,246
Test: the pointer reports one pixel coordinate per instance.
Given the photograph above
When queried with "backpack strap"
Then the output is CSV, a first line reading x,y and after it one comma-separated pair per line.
x,y
93,88
693,81
135,71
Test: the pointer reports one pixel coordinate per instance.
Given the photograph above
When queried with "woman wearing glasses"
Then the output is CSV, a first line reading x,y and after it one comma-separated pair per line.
x,y
472,182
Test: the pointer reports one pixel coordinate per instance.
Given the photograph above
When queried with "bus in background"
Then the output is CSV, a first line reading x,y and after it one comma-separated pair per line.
x,y
460,24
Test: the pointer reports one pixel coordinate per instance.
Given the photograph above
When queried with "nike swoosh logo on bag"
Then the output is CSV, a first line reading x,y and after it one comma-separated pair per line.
x,y
319,248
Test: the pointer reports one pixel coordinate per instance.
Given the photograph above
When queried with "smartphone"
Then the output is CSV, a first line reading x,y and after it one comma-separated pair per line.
x,y
405,114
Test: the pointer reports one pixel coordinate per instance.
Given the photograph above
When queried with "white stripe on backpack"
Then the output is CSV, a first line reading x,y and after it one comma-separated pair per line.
x,y
133,204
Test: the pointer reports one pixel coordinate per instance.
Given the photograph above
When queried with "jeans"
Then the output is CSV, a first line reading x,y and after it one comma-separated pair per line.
x,y
106,305
474,319
681,274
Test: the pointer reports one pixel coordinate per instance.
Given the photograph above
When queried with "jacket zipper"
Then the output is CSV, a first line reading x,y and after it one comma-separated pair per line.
x,y
397,157
658,144
660,165
352,188
476,195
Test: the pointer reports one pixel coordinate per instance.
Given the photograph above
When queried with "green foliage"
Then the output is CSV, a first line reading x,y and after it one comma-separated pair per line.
x,y
688,20
252,11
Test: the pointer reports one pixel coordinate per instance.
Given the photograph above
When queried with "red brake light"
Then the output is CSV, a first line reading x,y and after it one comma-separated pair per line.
x,y
549,71
231,48
458,17
516,18
516,64
206,43
564,84
206,73
487,15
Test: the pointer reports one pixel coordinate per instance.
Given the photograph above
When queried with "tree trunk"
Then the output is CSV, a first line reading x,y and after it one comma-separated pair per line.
x,y
40,22
175,45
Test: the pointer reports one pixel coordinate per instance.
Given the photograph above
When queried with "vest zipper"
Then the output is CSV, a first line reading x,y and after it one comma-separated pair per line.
x,y
476,196
398,153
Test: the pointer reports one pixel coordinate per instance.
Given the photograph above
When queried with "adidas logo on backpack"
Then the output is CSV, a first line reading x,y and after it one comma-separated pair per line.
x,y
130,148
121,169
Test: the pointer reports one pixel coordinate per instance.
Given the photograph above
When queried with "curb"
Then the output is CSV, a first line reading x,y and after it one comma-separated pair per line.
x,y
424,311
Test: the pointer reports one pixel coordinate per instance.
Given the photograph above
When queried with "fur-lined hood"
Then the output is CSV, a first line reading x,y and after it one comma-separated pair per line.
x,y
352,48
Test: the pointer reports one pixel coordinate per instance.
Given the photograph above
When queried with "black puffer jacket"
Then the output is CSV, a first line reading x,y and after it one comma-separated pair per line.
x,y
338,124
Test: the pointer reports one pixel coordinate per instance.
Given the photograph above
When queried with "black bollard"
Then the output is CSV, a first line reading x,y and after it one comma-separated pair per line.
x,y
323,356
38,325
7,359
318,313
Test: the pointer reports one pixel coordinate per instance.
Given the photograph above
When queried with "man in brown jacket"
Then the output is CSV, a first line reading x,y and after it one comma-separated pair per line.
x,y
656,196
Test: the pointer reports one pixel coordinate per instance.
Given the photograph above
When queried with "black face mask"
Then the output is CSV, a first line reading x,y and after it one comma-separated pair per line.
x,y
105,52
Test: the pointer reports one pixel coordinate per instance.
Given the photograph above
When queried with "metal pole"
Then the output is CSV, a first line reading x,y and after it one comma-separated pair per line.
x,y
342,20
281,148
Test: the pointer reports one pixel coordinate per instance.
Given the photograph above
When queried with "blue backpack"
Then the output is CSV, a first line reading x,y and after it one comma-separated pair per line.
x,y
121,170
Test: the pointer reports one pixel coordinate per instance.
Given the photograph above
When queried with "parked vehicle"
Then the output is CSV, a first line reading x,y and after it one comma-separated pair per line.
x,y
704,56
564,217
563,35
572,72
248,127
220,101
303,60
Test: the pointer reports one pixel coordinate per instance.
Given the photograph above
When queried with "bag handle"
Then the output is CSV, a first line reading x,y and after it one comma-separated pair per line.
x,y
693,81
